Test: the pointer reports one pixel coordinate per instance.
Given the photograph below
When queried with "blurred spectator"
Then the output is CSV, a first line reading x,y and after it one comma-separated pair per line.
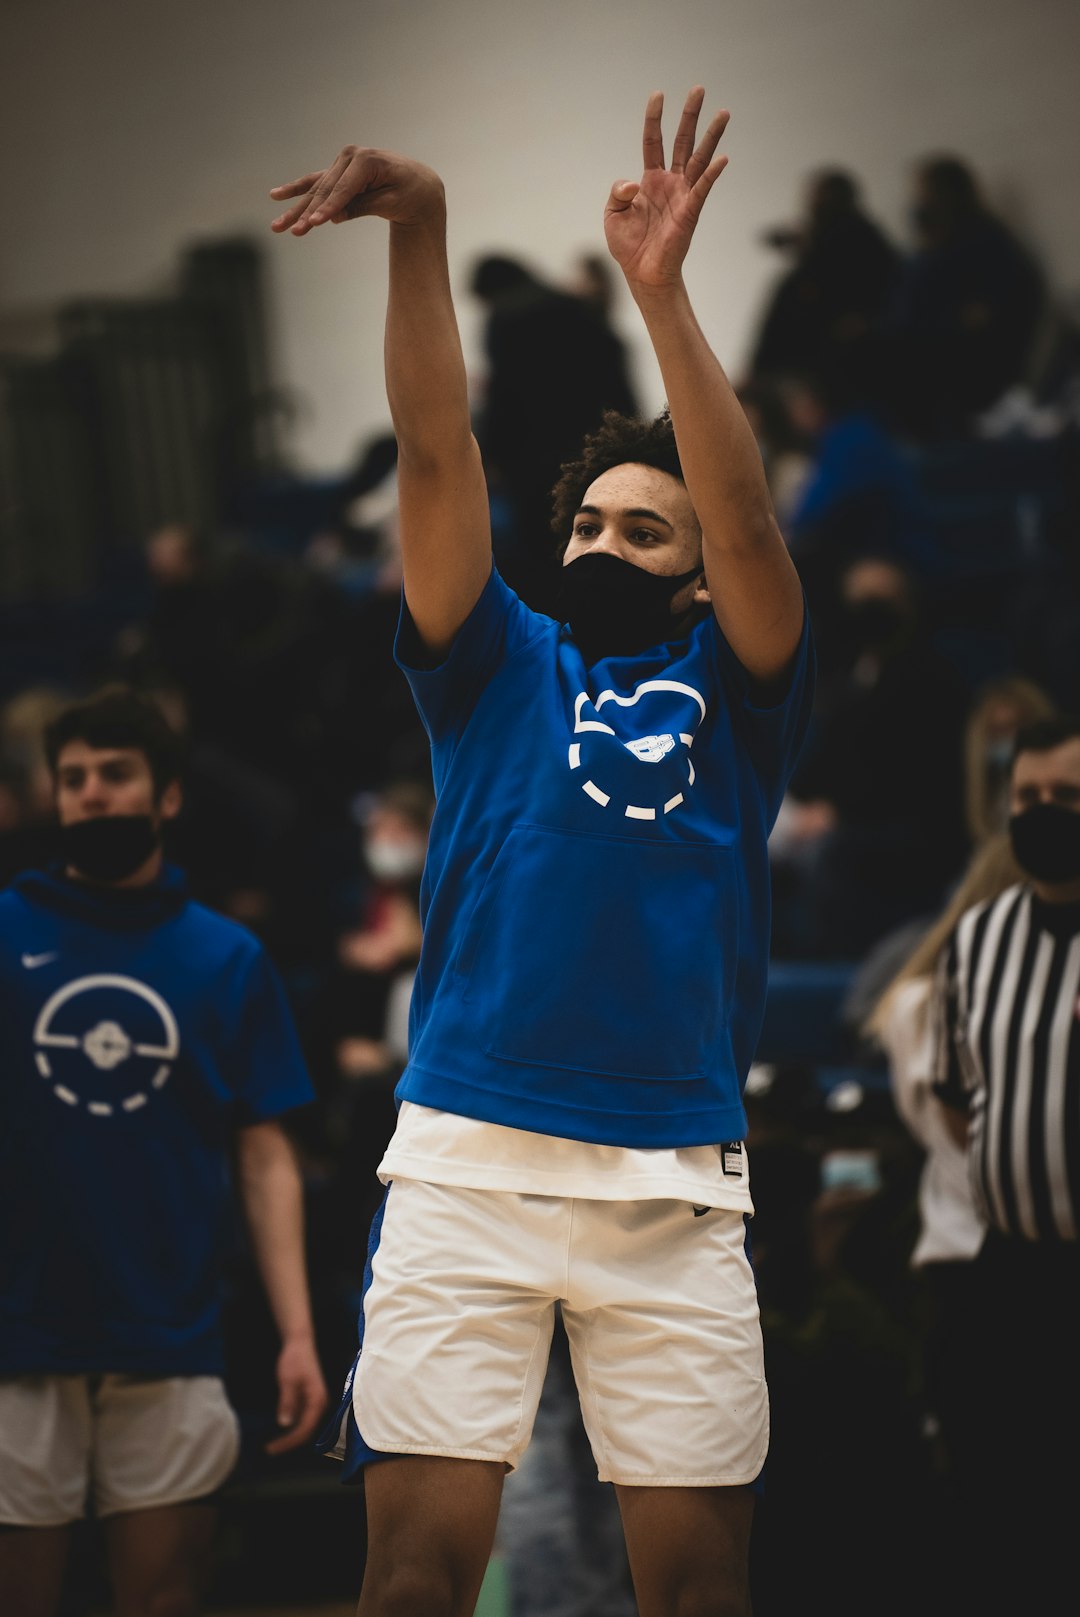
x,y
354,550
372,730
1000,708
239,837
1047,608
832,1175
962,327
356,1020
387,942
27,815
860,491
554,364
177,634
1008,1058
592,281
784,449
825,309
872,829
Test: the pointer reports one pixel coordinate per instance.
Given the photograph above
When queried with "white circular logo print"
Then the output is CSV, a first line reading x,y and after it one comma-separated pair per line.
x,y
107,1043
665,726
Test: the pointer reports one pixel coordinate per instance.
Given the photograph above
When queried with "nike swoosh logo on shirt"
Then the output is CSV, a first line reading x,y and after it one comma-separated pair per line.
x,y
32,961
700,1211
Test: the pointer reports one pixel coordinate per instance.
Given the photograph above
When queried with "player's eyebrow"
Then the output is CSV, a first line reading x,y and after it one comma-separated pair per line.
x,y
634,511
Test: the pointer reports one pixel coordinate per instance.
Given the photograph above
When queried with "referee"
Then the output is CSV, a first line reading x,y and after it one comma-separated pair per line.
x,y
1009,1077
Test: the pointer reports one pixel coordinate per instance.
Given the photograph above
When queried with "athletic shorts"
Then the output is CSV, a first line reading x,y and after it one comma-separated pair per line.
x,y
661,1313
122,1442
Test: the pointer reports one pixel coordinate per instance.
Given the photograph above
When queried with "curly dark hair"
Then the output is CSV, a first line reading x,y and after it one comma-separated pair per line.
x,y
619,439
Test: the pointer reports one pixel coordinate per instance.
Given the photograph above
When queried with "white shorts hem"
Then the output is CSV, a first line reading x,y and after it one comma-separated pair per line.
x,y
186,1498
681,1482
50,1521
392,1448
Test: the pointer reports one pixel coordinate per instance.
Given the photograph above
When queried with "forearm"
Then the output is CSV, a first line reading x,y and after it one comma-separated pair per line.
x,y
756,593
426,383
721,462
271,1191
442,492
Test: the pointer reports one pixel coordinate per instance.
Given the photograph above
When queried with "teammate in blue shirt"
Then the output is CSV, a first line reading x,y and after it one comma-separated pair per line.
x,y
596,925
146,1040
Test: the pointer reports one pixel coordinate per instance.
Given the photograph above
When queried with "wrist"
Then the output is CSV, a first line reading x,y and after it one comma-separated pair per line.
x,y
426,208
658,296
302,1334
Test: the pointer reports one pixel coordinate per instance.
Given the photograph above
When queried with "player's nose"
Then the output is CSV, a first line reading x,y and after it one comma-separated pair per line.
x,y
607,543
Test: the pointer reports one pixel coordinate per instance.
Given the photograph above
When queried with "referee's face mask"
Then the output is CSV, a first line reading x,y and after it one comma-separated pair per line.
x,y
1046,842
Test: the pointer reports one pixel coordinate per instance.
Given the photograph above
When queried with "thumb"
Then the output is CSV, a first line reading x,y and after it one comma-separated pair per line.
x,y
623,193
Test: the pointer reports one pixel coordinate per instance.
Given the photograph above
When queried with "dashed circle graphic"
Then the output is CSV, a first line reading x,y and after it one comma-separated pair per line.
x,y
649,749
106,1045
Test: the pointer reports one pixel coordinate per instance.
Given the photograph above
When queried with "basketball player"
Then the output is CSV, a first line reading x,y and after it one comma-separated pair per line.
x,y
596,920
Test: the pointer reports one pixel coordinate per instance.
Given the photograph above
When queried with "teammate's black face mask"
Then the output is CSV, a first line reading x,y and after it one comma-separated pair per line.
x,y
615,609
109,847
1046,842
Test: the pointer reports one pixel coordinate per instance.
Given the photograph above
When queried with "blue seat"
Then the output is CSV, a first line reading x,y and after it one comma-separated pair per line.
x,y
802,1020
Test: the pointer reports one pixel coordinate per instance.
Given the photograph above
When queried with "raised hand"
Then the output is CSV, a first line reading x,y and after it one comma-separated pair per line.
x,y
649,223
360,181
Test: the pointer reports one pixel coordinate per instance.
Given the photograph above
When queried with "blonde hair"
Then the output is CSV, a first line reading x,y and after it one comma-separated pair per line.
x,y
981,806
991,869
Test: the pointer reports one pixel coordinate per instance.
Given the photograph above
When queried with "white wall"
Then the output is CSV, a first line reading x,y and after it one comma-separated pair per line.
x,y
133,126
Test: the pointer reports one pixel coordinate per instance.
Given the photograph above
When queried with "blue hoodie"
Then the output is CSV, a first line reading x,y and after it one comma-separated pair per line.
x,y
596,898
140,1030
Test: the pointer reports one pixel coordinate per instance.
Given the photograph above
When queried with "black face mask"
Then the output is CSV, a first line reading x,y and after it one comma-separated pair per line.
x,y
1046,842
109,848
615,609
875,624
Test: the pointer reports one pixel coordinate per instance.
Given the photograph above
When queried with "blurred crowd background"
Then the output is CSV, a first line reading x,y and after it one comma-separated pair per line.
x,y
917,404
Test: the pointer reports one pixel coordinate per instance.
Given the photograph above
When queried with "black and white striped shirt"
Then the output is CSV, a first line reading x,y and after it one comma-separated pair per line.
x,y
1009,1052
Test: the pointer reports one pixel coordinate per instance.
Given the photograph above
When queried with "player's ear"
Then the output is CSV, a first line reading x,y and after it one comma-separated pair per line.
x,y
172,799
702,597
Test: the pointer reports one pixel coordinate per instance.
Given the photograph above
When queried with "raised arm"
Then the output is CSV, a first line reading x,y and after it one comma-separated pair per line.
x,y
755,589
442,493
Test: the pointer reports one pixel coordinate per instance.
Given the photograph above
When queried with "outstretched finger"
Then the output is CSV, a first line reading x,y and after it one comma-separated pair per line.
x,y
710,140
683,148
315,209
349,196
296,188
702,186
652,140
286,220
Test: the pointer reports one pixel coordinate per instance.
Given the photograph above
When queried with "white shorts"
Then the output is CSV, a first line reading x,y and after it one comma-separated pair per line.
x,y
660,1308
126,1442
